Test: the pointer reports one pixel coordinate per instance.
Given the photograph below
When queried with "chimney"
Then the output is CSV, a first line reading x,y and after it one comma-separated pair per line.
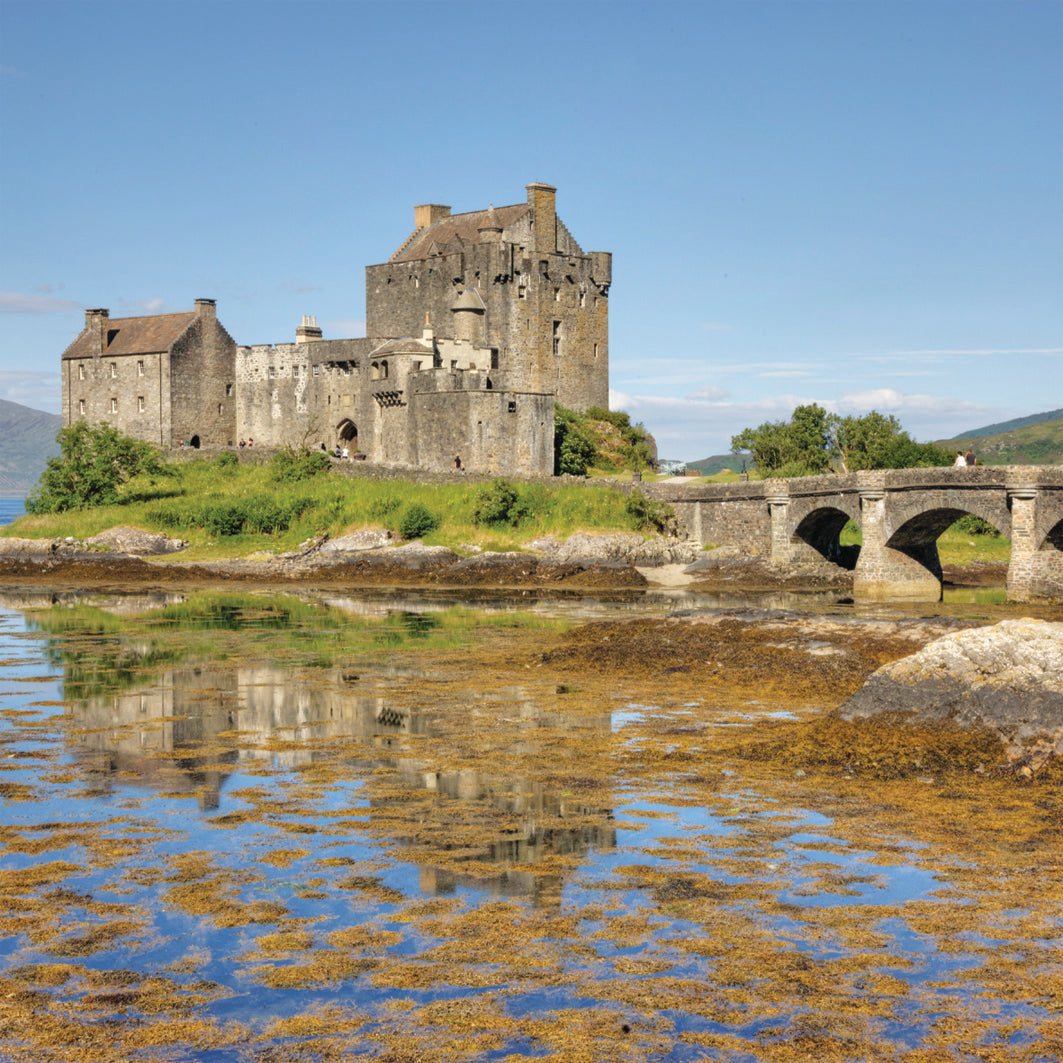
x,y
428,214
541,198
206,310
96,326
308,331
427,333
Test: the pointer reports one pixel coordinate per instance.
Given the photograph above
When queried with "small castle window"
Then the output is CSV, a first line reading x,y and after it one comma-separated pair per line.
x,y
81,371
114,405
557,295
81,407
383,370
295,370
317,370
557,337
114,369
140,404
596,352
219,409
228,389
140,368
512,406
272,371
416,367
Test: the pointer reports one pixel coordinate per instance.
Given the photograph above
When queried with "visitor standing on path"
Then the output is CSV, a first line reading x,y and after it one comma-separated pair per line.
x,y
970,458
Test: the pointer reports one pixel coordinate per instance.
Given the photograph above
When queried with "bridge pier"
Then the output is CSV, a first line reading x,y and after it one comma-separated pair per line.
x,y
885,572
1033,573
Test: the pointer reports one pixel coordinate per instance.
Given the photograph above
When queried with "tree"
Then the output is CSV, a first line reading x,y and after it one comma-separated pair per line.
x,y
814,440
799,447
94,460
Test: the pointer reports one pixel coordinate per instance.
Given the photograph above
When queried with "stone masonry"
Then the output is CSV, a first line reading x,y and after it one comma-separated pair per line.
x,y
476,325
900,512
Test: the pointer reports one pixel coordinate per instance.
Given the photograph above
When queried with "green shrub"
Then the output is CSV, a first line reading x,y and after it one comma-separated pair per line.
x,y
289,465
417,520
969,524
574,449
649,513
500,503
227,459
220,518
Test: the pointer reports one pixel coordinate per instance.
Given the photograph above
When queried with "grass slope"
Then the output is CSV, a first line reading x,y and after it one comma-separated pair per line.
x,y
29,441
1008,426
1037,443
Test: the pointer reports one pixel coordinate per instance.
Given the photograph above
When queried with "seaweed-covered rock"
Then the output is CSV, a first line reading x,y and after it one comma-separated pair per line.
x,y
1008,677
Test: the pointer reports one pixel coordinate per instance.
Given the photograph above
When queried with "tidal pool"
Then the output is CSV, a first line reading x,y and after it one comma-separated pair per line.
x,y
270,828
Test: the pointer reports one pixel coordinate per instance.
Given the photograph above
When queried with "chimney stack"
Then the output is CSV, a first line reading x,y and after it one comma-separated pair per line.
x,y
207,310
542,199
428,213
96,325
308,331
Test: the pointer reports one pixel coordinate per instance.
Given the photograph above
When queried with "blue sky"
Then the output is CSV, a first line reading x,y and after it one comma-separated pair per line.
x,y
856,203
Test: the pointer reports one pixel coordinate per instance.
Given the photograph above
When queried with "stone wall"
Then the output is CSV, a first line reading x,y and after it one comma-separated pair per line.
x,y
202,374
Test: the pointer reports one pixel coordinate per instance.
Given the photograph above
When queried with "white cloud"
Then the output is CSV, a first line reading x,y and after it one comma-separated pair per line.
x,y
17,303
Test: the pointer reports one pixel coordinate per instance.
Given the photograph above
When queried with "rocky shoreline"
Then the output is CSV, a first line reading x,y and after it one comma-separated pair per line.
x,y
131,557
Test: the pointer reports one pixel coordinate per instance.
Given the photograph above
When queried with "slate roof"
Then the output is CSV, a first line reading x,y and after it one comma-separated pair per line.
x,y
134,335
406,345
466,227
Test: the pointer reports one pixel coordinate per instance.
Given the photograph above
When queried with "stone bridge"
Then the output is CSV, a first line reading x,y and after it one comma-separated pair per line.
x,y
900,512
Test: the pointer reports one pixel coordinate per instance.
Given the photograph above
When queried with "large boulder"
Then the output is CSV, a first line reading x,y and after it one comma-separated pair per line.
x,y
1008,677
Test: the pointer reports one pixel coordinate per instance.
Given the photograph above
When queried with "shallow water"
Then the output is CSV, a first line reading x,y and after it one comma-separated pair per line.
x,y
278,828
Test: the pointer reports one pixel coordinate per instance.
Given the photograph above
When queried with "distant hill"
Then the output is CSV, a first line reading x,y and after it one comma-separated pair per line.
x,y
1036,440
1007,426
719,462
28,441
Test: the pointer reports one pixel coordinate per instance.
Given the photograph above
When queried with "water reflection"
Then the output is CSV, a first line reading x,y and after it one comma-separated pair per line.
x,y
190,729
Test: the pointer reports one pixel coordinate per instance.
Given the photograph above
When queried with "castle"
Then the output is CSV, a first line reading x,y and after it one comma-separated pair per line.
x,y
475,326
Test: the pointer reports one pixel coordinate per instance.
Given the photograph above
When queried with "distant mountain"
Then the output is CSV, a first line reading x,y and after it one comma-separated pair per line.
x,y
1008,426
1036,440
27,441
720,462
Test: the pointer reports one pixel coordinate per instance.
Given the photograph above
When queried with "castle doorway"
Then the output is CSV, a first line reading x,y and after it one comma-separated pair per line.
x,y
347,431
194,442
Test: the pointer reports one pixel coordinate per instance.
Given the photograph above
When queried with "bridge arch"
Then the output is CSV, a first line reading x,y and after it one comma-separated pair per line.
x,y
820,531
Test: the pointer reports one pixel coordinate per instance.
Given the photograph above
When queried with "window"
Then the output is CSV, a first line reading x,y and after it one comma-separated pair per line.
x,y
81,371
512,406
557,337
228,389
596,352
140,368
114,369
219,409
81,407
317,370
140,404
557,295
272,371
295,370
114,405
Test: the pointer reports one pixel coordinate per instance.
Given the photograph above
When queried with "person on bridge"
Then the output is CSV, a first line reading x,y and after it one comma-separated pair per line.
x,y
960,459
970,458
